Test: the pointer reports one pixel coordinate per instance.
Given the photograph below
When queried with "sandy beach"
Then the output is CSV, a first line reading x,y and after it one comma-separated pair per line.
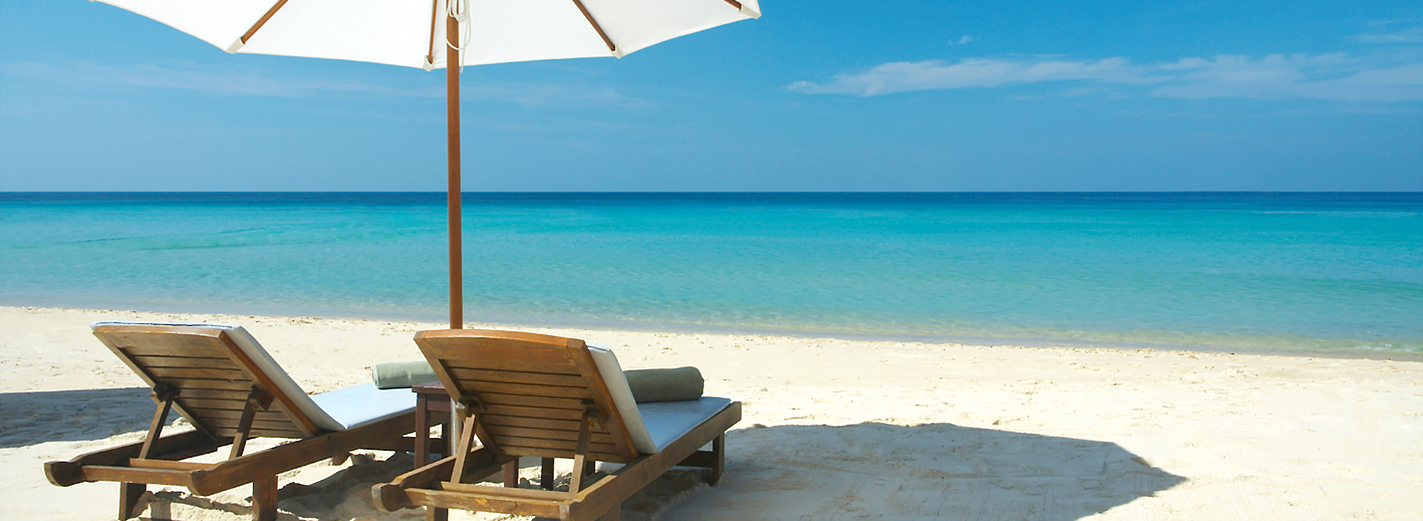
x,y
832,429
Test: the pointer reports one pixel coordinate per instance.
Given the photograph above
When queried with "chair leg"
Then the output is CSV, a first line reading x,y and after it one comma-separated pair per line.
x,y
718,459
264,499
128,499
437,514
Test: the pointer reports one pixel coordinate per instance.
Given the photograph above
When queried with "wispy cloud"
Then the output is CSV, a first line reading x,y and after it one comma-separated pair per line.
x,y
236,82
1325,76
1391,33
963,40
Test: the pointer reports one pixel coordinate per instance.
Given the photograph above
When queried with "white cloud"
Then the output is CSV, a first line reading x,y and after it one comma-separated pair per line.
x,y
965,39
1405,35
1325,76
974,72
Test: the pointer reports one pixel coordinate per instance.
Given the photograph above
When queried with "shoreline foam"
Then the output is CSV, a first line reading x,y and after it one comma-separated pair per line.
x,y
1064,339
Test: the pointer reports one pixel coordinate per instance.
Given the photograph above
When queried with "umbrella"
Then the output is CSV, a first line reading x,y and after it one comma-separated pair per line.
x,y
410,33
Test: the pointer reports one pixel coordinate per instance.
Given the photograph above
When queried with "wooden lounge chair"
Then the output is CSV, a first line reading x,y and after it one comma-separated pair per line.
x,y
223,383
524,394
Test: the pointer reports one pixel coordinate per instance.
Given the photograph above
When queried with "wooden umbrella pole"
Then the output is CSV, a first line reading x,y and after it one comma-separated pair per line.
x,y
452,95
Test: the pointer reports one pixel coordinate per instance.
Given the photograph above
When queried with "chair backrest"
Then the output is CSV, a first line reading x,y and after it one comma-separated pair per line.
x,y
212,375
529,391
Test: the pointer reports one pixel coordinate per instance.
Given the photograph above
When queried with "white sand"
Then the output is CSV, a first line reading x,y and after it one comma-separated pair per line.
x,y
832,429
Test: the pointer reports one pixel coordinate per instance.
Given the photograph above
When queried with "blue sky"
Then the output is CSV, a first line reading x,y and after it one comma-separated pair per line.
x,y
842,96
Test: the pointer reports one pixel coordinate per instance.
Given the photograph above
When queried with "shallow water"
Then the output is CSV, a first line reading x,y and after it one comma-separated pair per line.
x,y
1321,273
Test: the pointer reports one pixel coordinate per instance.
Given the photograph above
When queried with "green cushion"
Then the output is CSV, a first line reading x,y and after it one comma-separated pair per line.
x,y
391,375
665,385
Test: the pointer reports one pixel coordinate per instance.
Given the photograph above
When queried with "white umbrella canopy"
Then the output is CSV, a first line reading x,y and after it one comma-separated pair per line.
x,y
431,33
411,33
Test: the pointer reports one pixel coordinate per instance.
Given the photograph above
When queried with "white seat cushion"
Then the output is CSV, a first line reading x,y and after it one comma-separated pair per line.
x,y
364,404
668,421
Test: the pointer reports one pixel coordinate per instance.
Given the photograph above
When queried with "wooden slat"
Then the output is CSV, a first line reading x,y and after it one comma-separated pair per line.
x,y
500,432
480,386
511,365
210,403
518,377
213,394
531,401
146,344
476,489
502,357
534,443
228,423
220,417
234,375
532,423
180,478
183,361
536,452
277,433
207,383
534,412
225,409
214,413
467,501
166,464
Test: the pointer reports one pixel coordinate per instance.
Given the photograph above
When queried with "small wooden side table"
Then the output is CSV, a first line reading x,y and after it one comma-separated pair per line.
x,y
431,398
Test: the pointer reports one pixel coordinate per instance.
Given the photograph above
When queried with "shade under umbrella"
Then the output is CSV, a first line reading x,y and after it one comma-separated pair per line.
x,y
430,33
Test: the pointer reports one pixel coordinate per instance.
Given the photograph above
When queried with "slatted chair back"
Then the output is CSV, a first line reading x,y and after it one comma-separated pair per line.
x,y
528,392
211,376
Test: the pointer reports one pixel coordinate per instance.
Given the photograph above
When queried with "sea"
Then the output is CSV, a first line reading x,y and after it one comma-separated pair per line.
x,y
1336,274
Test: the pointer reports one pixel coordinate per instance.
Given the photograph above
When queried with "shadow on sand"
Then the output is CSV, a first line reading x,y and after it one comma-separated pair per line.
x,y
80,415
800,472
820,472
929,471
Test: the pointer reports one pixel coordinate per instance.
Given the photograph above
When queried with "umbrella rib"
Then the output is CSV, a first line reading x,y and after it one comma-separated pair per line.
x,y
611,48
735,4
263,20
434,16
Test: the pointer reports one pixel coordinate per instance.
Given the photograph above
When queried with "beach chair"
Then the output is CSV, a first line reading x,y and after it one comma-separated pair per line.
x,y
219,379
524,394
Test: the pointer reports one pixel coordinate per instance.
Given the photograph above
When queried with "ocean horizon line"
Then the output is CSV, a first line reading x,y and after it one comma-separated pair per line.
x,y
771,192
802,197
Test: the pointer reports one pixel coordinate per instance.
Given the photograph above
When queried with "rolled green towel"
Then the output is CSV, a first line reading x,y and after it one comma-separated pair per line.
x,y
665,385
392,375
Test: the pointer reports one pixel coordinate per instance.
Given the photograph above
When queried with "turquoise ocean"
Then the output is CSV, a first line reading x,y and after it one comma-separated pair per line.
x,y
1313,273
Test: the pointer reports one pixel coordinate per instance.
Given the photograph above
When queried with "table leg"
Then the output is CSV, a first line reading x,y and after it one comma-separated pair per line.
x,y
511,474
422,431
546,474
